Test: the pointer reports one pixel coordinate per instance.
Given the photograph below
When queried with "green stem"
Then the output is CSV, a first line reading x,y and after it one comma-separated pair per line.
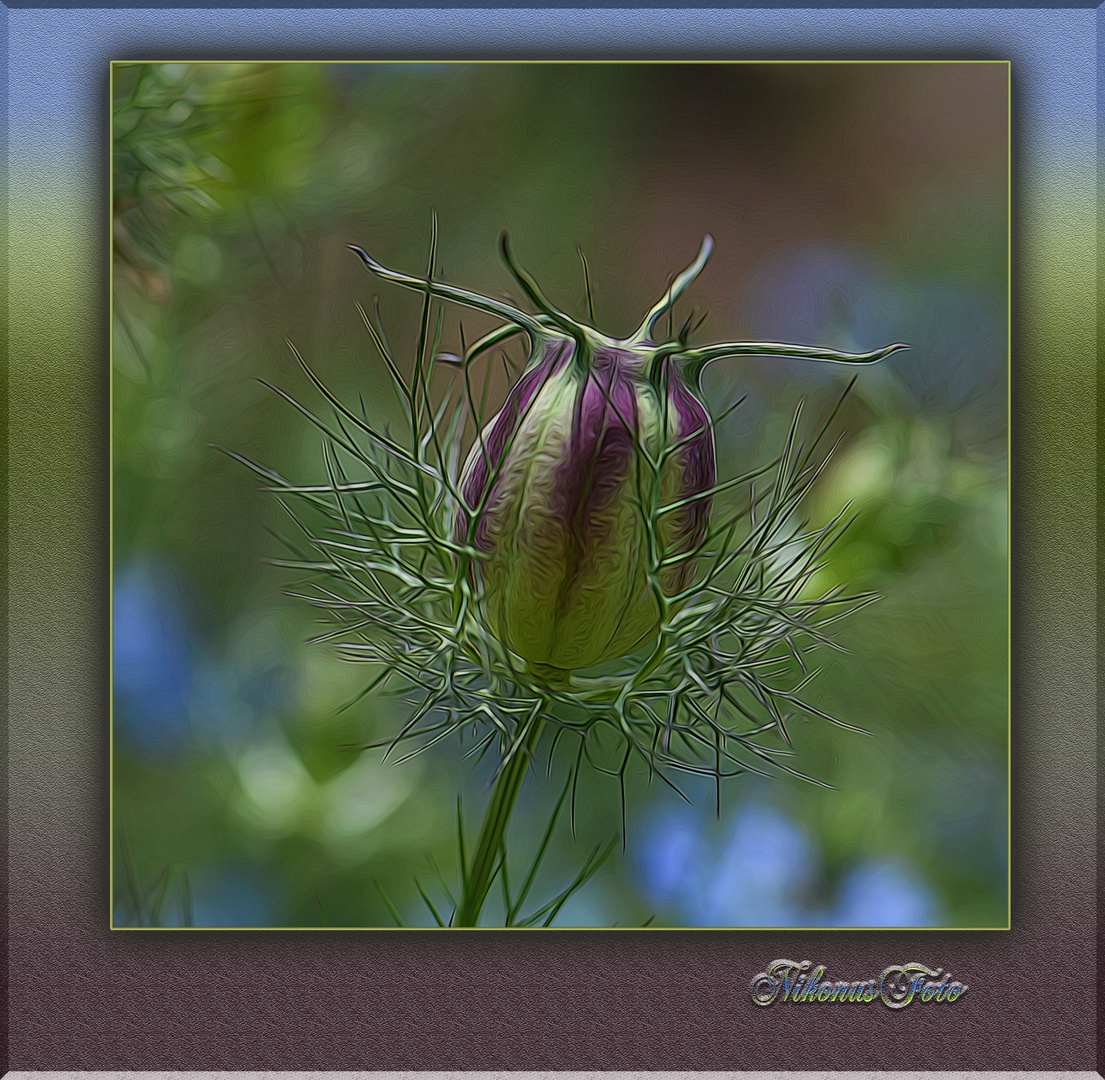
x,y
480,874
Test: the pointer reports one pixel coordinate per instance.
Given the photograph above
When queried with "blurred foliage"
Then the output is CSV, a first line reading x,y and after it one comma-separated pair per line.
x,y
851,205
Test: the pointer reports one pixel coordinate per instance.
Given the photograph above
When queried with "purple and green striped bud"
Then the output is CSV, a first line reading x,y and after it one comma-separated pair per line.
x,y
585,500
562,496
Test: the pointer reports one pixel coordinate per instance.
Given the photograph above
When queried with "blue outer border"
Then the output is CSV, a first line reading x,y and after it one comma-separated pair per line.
x,y
57,55
319,5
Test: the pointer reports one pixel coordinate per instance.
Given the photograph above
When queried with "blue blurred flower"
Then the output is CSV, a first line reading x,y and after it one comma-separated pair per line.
x,y
755,875
765,866
153,659
233,896
884,892
672,854
765,870
171,688
846,297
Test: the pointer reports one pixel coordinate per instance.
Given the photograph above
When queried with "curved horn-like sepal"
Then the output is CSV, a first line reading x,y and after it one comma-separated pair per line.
x,y
533,291
450,292
696,359
675,290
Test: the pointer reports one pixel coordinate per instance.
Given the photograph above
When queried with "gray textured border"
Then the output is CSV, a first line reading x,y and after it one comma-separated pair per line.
x,y
743,1075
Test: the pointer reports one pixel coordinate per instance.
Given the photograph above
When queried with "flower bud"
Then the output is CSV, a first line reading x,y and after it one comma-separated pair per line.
x,y
562,492
584,501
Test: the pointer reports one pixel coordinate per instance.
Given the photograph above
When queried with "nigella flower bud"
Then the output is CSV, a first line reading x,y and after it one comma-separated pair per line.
x,y
584,501
558,491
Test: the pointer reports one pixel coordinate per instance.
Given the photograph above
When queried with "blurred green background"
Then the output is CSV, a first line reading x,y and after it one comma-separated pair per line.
x,y
852,206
